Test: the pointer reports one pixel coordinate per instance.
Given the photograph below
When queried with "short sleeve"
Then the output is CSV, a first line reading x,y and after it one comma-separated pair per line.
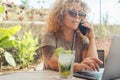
x,y
48,39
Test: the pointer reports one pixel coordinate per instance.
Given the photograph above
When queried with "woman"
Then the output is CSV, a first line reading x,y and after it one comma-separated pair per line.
x,y
63,20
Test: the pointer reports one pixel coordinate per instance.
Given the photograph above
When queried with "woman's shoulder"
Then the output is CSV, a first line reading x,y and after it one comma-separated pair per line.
x,y
48,34
48,39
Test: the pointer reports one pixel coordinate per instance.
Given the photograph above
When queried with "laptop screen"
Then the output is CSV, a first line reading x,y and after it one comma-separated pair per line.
x,y
112,65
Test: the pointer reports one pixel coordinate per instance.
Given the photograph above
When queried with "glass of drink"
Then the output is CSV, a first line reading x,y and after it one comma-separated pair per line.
x,y
65,63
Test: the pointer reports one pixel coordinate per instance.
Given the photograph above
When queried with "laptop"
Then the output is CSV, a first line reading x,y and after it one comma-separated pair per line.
x,y
111,68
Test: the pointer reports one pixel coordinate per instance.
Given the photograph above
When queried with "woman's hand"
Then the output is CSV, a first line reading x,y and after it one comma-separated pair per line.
x,y
90,34
89,63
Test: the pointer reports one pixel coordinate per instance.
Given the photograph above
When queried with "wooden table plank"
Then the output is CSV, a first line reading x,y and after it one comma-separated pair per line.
x,y
34,75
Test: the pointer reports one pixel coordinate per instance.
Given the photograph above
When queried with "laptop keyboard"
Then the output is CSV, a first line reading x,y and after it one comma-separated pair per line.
x,y
89,74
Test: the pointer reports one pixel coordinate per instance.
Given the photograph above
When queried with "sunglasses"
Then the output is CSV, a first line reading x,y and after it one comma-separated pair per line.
x,y
74,0
73,13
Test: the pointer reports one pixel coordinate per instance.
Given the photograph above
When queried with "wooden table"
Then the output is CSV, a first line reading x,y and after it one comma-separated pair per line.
x,y
34,75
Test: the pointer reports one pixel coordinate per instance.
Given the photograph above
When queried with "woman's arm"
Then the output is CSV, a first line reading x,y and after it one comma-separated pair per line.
x,y
89,55
49,58
92,51
52,61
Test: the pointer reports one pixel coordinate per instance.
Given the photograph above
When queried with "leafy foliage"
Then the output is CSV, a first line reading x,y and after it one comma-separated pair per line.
x,y
26,49
6,41
102,31
6,36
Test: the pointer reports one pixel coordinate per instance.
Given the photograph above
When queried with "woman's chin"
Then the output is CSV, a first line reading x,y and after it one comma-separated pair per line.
x,y
75,28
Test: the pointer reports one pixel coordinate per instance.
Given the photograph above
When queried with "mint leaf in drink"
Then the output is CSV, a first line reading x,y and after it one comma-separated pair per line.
x,y
61,50
58,50
68,51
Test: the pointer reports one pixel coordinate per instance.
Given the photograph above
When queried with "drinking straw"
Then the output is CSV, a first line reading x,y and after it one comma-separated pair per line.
x,y
73,41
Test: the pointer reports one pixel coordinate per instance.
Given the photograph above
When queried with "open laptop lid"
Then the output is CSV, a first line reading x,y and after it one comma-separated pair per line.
x,y
112,65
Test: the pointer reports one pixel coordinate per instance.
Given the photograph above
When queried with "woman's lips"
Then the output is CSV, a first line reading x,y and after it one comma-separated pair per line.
x,y
76,22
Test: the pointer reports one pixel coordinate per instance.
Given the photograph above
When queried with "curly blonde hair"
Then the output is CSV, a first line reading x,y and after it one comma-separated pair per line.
x,y
55,18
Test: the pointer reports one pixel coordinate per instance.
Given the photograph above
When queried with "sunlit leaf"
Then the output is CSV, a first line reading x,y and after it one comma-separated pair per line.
x,y
9,58
2,9
9,31
13,30
61,50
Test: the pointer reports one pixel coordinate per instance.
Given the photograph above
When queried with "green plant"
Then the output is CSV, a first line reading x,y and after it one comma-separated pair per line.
x,y
2,9
102,31
27,46
6,41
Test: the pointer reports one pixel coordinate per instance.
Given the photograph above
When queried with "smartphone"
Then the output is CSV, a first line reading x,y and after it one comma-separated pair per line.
x,y
83,29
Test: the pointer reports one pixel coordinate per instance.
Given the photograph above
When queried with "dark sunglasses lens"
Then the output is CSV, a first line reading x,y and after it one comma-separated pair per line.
x,y
73,13
81,14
